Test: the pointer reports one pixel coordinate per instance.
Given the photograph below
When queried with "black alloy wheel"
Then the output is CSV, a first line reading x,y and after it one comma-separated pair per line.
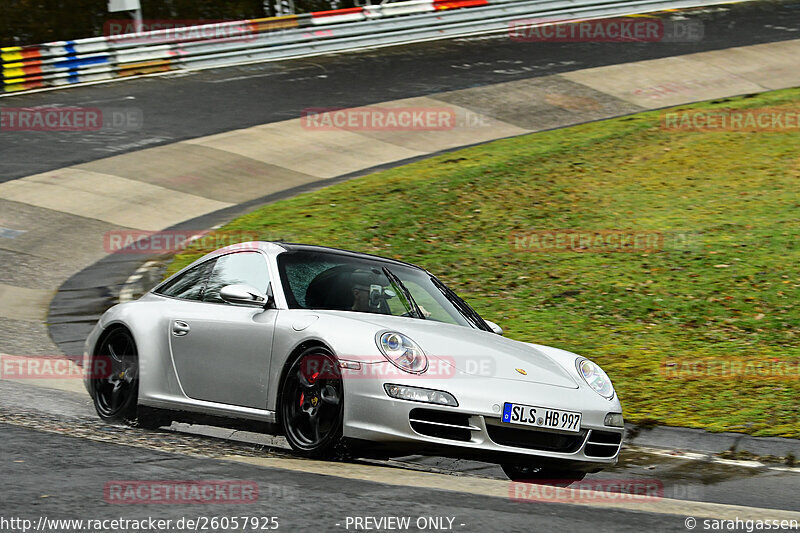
x,y
312,403
115,377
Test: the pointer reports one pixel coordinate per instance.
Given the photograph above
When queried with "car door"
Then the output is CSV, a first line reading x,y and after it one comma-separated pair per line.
x,y
221,351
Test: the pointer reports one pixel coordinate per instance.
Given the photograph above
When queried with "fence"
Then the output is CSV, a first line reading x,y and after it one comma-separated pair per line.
x,y
120,56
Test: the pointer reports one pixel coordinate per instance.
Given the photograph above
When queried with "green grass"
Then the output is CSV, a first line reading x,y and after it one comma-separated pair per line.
x,y
722,198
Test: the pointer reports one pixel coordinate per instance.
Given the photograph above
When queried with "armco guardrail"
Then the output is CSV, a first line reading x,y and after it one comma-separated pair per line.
x,y
119,56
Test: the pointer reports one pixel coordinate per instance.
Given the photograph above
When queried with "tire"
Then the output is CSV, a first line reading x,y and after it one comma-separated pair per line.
x,y
545,476
116,390
312,404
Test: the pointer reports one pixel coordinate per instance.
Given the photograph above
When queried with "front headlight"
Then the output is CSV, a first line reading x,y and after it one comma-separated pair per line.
x,y
595,378
402,352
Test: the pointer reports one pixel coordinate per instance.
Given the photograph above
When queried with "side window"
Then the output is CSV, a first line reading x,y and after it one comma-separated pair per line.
x,y
190,284
249,268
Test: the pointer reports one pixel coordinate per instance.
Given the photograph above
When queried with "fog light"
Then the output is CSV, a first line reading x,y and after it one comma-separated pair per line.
x,y
416,394
614,420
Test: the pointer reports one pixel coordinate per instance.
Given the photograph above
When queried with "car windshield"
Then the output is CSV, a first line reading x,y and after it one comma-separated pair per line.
x,y
329,280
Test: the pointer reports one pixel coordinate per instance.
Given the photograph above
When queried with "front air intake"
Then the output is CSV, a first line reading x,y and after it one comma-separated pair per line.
x,y
602,443
441,424
534,439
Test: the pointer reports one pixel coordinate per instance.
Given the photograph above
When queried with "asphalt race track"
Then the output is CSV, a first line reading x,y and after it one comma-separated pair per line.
x,y
58,459
239,97
68,487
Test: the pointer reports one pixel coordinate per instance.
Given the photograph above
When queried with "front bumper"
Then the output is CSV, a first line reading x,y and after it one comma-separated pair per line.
x,y
473,429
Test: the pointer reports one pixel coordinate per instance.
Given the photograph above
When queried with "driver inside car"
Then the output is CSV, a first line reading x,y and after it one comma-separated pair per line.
x,y
370,296
361,299
369,293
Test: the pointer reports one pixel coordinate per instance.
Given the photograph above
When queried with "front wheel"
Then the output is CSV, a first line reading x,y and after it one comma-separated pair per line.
x,y
116,390
312,404
545,476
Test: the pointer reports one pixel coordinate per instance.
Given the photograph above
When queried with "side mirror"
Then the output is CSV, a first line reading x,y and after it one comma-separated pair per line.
x,y
245,295
495,328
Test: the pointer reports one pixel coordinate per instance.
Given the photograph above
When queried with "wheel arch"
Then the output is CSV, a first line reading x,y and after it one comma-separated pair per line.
x,y
110,328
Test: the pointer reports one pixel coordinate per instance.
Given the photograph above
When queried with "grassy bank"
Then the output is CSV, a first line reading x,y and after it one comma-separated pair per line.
x,y
722,282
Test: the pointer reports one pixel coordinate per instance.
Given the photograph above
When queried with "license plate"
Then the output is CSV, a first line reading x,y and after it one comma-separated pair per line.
x,y
541,417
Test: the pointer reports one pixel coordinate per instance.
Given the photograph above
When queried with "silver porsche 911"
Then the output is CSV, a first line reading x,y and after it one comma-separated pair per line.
x,y
337,351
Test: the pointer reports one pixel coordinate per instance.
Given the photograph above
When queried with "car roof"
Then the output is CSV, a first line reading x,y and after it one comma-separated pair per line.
x,y
296,247
277,248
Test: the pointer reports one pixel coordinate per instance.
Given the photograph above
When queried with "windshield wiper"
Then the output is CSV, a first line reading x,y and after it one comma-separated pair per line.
x,y
394,280
463,307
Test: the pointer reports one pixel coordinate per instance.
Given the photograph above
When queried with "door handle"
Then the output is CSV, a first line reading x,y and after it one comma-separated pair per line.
x,y
180,328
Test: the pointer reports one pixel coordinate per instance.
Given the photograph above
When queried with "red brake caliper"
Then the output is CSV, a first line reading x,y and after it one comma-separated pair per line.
x,y
311,380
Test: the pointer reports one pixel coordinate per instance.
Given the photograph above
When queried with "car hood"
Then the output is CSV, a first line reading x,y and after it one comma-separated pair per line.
x,y
474,352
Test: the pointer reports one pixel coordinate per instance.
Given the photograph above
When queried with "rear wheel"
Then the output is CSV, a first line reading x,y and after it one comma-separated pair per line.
x,y
312,404
116,389
546,476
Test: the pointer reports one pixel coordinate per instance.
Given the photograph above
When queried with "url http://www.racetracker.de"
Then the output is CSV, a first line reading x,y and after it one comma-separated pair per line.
x,y
44,524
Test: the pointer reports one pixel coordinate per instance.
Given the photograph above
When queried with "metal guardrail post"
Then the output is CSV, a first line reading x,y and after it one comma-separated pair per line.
x,y
104,58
